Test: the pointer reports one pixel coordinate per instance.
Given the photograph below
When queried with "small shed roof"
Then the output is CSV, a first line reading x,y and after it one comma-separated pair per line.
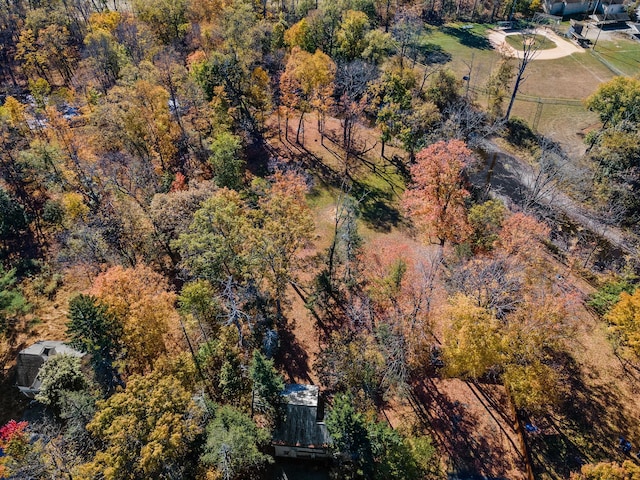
x,y
50,348
33,357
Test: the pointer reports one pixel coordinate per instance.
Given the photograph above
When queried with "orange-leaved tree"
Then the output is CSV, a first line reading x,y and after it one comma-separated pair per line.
x,y
140,299
436,199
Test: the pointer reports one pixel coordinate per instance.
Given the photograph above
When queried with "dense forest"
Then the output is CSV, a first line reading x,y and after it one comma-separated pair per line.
x,y
215,198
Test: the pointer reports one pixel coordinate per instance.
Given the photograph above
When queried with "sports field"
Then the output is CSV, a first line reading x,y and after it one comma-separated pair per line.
x,y
553,89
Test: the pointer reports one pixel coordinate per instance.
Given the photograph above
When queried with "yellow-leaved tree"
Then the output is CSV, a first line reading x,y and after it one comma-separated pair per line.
x,y
141,301
625,321
147,430
472,342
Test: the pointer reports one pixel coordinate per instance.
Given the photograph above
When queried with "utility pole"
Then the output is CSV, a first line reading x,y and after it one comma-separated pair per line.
x,y
604,19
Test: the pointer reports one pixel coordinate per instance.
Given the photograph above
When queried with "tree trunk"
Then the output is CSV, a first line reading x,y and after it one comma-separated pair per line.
x,y
299,128
286,126
513,94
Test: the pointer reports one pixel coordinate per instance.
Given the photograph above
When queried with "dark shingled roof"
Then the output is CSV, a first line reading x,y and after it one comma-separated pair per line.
x,y
301,427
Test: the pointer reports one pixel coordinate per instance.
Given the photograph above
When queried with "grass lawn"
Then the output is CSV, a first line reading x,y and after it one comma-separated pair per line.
x,y
574,77
623,54
540,41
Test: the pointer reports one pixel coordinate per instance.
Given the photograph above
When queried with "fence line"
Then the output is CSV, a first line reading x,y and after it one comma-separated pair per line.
x,y
534,99
601,59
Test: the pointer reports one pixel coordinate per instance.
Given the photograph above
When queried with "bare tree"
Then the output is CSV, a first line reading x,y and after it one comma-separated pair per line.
x,y
542,183
530,48
493,283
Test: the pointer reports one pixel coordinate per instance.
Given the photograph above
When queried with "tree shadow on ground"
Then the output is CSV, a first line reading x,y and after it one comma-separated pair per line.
x,y
292,357
586,429
375,204
468,38
375,207
454,427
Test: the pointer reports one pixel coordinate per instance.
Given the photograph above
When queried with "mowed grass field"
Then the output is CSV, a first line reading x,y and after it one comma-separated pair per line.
x,y
541,42
623,54
572,78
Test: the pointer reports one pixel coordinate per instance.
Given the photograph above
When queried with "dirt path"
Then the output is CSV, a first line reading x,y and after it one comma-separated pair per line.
x,y
511,174
563,47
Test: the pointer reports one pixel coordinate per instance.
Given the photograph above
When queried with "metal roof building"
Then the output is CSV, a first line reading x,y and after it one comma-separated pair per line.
x,y
32,358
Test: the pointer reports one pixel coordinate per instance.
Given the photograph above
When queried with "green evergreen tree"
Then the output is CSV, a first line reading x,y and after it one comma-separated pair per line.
x,y
268,385
95,331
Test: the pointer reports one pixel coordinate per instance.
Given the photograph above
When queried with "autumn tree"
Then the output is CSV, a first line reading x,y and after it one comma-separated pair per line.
x,y
351,34
307,83
516,235
533,386
379,46
106,57
616,101
145,432
486,220
217,243
47,47
21,458
170,214
390,98
135,118
624,318
436,199
472,345
167,19
229,240
628,470
286,228
233,69
141,301
614,147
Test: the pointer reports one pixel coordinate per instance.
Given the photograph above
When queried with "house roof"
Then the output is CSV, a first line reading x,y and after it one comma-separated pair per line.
x,y
299,394
301,427
50,348
32,358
